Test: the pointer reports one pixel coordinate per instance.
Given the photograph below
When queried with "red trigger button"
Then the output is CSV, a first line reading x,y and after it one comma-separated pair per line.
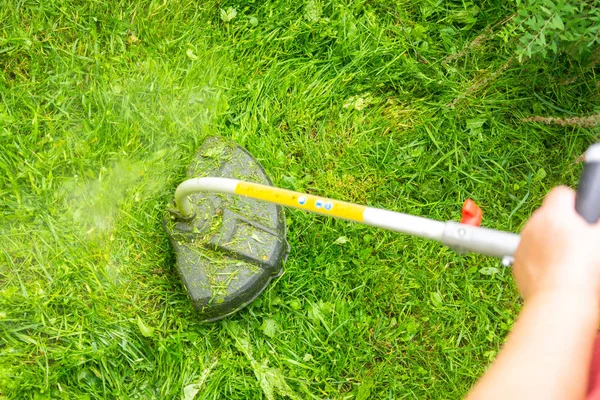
x,y
471,213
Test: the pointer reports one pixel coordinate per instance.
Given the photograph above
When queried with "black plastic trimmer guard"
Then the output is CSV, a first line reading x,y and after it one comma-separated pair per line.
x,y
233,246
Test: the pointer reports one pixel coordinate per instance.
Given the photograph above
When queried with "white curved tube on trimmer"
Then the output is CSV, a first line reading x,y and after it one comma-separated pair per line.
x,y
199,185
458,236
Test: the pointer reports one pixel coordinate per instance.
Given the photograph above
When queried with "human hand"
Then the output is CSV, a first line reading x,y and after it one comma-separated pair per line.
x,y
559,252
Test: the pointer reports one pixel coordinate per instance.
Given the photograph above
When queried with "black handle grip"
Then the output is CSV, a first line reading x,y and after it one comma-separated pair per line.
x,y
587,202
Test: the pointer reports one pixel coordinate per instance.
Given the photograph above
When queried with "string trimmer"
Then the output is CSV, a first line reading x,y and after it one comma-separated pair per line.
x,y
228,227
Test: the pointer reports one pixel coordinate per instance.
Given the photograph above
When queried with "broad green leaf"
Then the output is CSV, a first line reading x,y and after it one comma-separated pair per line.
x,y
144,329
364,390
269,327
342,240
540,175
544,9
190,391
229,14
436,299
558,22
489,270
313,11
191,55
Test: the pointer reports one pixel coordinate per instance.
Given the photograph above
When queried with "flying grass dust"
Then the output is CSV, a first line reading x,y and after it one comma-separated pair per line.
x,y
93,204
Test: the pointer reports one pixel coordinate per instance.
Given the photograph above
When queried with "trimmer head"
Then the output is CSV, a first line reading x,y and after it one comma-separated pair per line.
x,y
231,248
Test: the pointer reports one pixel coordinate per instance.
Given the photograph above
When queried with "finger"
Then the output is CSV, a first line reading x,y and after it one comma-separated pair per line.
x,y
561,197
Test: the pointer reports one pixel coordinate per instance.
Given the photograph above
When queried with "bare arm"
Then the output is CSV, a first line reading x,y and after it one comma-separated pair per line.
x,y
557,268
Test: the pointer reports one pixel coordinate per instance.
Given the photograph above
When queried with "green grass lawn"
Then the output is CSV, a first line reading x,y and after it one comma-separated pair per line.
x,y
410,105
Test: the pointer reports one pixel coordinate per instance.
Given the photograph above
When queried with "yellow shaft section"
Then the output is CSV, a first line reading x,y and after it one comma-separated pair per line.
x,y
302,201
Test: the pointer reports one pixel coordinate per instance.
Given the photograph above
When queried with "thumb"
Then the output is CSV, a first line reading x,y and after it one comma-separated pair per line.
x,y
560,198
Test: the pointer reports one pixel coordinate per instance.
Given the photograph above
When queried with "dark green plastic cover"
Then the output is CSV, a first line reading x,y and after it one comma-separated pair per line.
x,y
233,246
